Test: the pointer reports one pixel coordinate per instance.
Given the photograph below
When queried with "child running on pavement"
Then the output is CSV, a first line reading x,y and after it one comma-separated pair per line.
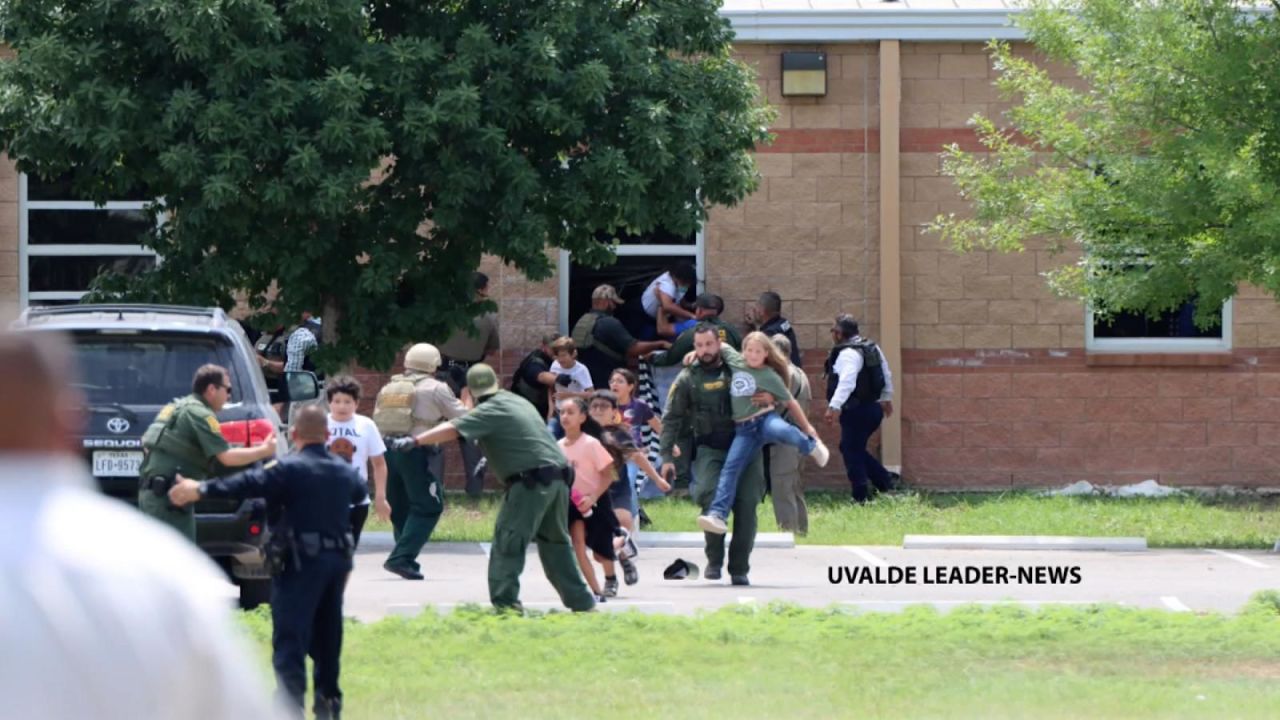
x,y
618,440
636,413
760,368
592,523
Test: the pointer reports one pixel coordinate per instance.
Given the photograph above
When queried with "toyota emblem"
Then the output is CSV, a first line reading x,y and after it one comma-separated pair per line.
x,y
118,425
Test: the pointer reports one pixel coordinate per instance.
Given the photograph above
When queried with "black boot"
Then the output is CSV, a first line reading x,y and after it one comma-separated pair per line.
x,y
328,708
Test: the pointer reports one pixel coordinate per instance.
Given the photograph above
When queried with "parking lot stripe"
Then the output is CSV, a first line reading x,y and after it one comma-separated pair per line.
x,y
1174,604
484,548
871,559
1240,559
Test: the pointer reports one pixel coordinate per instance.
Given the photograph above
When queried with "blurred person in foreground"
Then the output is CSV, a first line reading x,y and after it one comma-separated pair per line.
x,y
107,613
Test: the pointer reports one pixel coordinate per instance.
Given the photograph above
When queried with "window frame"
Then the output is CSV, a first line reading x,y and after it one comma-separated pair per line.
x,y
26,251
1163,345
697,251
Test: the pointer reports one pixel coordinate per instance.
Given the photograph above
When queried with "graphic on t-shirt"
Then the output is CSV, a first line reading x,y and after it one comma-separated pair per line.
x,y
742,385
343,448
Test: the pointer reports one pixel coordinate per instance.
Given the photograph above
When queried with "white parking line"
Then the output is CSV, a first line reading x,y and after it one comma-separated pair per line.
x,y
744,600
1240,559
871,559
979,602
1174,604
484,547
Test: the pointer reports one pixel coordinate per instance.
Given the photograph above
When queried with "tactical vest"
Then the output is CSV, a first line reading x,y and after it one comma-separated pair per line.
x,y
393,409
271,345
870,379
712,410
585,339
536,394
160,437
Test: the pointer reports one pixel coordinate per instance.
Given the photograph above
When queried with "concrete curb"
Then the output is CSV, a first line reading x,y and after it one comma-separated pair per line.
x,y
381,540
1022,542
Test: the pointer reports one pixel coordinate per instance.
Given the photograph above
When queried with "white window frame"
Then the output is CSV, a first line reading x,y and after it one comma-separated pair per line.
x,y
697,251
27,251
1159,345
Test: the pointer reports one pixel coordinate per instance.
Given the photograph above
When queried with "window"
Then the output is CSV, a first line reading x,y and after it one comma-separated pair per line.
x,y
1172,332
641,258
64,243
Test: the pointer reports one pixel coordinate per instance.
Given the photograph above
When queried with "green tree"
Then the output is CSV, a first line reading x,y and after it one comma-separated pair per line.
x,y
1162,164
499,127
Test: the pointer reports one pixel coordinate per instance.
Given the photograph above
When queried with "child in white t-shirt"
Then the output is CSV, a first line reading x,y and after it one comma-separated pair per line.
x,y
575,378
356,439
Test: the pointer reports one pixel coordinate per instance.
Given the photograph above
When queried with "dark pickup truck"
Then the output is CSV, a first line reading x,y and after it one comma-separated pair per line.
x,y
133,360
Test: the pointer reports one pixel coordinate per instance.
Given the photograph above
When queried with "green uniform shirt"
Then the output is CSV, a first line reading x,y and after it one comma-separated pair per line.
x,y
747,381
698,404
511,434
189,445
684,344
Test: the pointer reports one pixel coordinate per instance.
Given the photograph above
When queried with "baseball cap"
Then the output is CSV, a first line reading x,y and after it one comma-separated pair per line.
x,y
482,381
607,292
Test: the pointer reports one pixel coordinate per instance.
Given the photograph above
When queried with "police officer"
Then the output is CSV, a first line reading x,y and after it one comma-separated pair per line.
x,y
186,438
315,491
533,379
537,478
767,314
860,394
699,406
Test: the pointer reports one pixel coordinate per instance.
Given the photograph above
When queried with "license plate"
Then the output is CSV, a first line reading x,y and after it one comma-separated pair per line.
x,y
109,463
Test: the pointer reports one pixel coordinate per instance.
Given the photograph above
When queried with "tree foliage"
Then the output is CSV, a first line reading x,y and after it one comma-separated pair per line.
x,y
1162,164
488,126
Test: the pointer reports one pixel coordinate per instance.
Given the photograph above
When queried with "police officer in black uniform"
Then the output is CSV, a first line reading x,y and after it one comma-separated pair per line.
x,y
310,552
767,317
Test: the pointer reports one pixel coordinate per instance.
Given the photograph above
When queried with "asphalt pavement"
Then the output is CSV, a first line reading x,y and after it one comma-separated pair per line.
x,y
865,578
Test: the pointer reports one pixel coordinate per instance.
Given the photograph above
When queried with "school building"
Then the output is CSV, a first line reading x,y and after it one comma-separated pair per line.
x,y
1000,383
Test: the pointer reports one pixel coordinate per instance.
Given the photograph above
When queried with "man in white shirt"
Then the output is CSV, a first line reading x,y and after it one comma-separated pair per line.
x,y
860,394
107,613
355,438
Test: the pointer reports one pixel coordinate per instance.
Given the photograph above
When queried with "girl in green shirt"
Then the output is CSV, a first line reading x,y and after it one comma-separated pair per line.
x,y
760,368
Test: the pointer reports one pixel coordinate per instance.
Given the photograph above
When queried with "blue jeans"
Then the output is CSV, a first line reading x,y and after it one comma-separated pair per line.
x,y
748,438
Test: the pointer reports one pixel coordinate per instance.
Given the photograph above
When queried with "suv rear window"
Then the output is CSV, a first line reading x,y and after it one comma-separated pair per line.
x,y
148,369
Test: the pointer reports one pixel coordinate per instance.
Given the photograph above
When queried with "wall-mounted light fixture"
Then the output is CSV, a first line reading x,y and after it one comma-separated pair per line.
x,y
804,74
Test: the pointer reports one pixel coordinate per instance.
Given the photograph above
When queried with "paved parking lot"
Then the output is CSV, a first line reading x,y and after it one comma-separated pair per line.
x,y
1175,580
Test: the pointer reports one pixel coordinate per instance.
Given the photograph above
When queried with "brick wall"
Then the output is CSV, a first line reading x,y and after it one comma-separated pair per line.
x,y
8,239
997,388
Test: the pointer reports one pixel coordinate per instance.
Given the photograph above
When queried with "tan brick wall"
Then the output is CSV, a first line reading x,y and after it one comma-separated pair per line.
x,y
8,238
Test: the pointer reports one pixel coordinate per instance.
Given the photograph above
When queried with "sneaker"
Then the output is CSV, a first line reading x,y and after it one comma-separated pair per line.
x,y
629,572
611,587
739,580
712,573
403,571
628,547
820,453
712,524
601,599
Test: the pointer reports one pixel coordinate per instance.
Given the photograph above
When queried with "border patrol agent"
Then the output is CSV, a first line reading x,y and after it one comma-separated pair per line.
x,y
186,438
407,405
699,404
310,553
537,479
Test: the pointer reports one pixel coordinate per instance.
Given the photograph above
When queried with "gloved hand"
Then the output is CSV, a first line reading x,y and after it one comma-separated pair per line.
x,y
402,444
564,380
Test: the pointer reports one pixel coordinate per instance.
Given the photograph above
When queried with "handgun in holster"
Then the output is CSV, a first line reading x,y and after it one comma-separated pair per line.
x,y
158,485
282,552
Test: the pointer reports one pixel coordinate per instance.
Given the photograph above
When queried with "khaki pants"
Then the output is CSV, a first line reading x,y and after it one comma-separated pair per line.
x,y
788,489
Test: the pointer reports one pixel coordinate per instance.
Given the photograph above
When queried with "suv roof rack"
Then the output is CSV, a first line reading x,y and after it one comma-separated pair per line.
x,y
216,314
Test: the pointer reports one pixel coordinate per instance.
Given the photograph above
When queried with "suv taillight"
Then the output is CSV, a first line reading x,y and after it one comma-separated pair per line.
x,y
243,433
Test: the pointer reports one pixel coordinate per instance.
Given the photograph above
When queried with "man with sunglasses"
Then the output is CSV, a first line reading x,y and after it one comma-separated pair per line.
x,y
186,438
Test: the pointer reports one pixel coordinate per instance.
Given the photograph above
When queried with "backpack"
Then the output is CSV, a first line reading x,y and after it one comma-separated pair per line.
x,y
393,410
584,337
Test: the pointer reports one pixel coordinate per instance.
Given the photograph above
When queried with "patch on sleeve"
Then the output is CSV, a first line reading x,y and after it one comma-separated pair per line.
x,y
785,326
165,412
213,424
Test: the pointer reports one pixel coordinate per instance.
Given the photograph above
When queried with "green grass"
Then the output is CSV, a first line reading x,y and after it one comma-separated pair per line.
x,y
785,662
1189,521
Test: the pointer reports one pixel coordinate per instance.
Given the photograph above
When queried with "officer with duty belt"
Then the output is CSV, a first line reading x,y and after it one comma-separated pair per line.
x,y
186,438
537,477
309,551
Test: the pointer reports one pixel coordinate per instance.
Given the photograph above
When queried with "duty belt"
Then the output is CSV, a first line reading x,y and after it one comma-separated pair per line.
x,y
544,475
313,542
156,484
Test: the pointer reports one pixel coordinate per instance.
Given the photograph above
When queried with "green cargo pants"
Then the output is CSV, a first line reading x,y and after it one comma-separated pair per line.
x,y
706,472
182,519
416,497
540,514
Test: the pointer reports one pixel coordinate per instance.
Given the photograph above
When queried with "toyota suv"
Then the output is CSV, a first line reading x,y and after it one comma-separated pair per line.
x,y
132,361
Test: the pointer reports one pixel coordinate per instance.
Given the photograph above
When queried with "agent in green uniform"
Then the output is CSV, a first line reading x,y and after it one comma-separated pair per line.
x,y
186,438
537,477
699,407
